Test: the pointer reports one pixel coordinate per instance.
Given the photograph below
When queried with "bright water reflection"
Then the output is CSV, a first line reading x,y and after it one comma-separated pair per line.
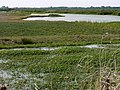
x,y
79,17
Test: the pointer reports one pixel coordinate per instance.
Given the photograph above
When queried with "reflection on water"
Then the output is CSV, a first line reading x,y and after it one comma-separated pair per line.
x,y
3,61
56,48
92,46
42,48
5,74
79,17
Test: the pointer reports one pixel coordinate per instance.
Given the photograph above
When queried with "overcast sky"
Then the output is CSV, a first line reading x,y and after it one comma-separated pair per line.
x,y
56,3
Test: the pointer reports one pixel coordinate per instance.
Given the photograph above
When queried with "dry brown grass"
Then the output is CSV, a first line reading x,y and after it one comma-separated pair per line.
x,y
6,17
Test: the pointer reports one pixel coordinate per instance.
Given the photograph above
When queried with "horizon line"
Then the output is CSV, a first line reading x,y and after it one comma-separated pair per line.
x,y
57,6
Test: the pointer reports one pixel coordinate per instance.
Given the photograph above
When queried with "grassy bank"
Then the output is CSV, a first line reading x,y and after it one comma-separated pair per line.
x,y
47,28
58,33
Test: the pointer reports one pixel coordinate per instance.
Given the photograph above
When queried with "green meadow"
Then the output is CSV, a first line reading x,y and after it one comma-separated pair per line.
x,y
70,66
46,33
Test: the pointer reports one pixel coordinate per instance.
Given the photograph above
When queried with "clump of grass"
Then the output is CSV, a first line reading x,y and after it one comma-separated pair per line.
x,y
7,41
27,41
55,15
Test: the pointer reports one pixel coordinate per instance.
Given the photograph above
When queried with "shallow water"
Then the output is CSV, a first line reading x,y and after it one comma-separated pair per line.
x,y
42,48
79,17
11,79
3,61
93,46
56,48
5,74
102,46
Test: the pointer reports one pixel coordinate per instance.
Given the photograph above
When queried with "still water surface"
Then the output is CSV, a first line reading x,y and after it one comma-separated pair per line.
x,y
79,17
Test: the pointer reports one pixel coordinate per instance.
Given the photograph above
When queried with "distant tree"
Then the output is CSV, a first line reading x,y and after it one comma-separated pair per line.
x,y
4,8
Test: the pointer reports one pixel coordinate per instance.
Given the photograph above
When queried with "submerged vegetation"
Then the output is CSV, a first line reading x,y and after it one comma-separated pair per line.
x,y
66,68
70,66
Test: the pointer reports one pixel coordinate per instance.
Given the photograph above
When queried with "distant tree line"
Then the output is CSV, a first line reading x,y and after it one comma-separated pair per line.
x,y
5,8
76,10
72,8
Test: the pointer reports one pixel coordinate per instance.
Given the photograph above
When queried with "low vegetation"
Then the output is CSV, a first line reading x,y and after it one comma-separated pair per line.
x,y
66,68
58,33
70,67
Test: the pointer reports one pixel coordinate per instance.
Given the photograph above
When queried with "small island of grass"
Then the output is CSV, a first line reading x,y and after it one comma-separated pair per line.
x,y
55,15
46,15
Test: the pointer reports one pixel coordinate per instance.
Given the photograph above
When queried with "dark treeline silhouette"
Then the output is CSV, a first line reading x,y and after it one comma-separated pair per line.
x,y
5,8
70,8
108,10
